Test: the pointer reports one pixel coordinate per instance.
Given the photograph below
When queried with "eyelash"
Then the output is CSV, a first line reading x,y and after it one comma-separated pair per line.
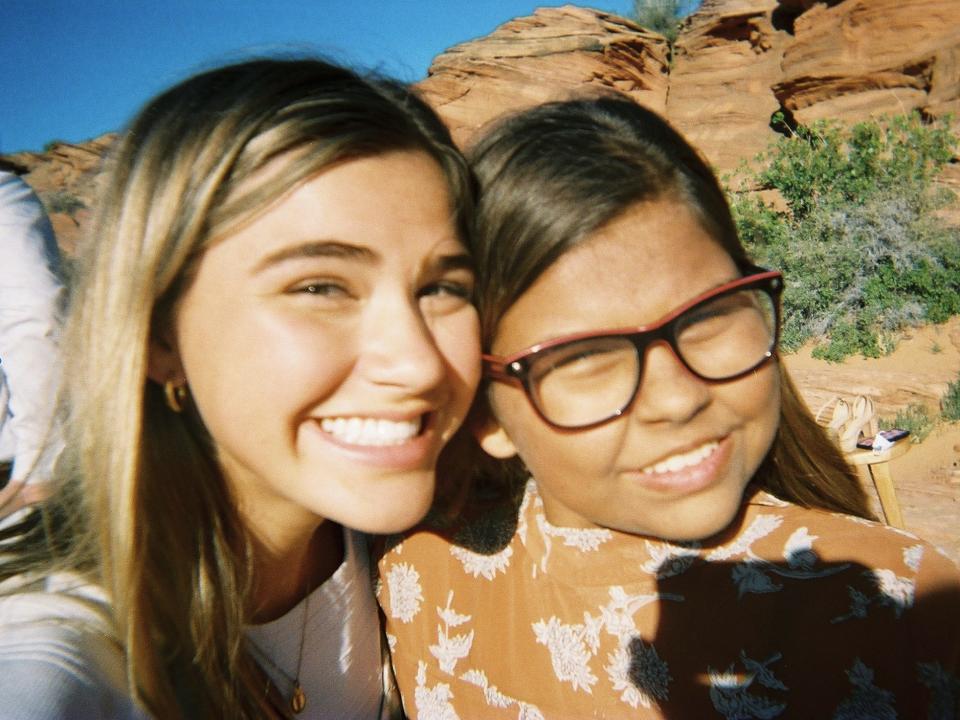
x,y
323,289
329,289
449,287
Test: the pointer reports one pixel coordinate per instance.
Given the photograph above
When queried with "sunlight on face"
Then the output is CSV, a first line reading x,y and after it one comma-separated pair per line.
x,y
331,346
676,463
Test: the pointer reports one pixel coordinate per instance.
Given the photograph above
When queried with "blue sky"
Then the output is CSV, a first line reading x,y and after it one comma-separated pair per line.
x,y
74,69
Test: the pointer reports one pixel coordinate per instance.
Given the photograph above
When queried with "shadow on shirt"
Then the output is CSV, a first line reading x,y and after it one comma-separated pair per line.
x,y
798,638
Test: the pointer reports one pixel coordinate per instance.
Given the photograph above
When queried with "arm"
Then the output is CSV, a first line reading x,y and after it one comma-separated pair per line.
x,y
30,297
58,663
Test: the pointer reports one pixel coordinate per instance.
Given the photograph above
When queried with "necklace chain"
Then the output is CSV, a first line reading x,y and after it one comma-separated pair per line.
x,y
298,698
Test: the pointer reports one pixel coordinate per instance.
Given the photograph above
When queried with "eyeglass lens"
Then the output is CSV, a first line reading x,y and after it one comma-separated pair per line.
x,y
587,381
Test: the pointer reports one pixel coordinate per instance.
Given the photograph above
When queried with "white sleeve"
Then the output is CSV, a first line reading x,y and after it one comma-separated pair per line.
x,y
31,292
57,668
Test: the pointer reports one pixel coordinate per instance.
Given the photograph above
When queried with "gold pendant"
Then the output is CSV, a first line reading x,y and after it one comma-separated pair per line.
x,y
298,701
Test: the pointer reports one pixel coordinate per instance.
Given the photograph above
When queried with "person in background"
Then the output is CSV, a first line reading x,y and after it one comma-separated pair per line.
x,y
667,532
270,338
31,295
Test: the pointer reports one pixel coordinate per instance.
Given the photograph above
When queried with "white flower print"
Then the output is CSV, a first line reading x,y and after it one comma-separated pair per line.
x,y
568,652
450,616
405,592
529,712
618,613
582,539
495,698
391,642
798,550
944,689
433,703
638,673
749,578
730,691
528,495
892,591
896,592
859,604
585,540
912,556
450,649
761,526
486,565
765,498
731,698
761,670
668,560
867,701
475,677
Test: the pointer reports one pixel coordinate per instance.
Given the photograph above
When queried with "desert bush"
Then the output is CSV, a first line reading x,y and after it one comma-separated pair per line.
x,y
62,201
859,241
662,16
950,403
916,418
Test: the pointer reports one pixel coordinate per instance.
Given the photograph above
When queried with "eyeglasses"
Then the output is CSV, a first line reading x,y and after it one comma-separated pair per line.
x,y
583,380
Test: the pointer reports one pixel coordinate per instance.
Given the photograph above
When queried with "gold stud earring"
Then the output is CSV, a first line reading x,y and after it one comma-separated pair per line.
x,y
175,394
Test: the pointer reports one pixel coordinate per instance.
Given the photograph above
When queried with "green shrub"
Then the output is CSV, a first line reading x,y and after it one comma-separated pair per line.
x,y
62,201
860,244
916,418
662,16
950,404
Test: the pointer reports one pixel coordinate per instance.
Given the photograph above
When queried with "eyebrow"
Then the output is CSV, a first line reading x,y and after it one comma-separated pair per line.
x,y
336,249
317,248
458,261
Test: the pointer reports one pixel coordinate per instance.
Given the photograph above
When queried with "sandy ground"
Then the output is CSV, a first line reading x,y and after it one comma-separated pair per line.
x,y
927,478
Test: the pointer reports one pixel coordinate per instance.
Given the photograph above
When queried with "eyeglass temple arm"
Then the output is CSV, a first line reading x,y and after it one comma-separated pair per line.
x,y
494,368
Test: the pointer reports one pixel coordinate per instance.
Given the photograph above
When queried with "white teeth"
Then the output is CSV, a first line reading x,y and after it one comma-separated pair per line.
x,y
678,462
371,431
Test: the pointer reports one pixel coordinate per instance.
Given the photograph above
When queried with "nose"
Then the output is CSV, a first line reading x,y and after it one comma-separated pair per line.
x,y
668,391
399,348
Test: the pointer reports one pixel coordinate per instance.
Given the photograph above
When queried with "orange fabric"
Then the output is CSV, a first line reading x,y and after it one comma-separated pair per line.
x,y
791,613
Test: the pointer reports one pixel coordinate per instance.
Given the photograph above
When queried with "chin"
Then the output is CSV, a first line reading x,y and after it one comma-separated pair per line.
x,y
688,529
394,516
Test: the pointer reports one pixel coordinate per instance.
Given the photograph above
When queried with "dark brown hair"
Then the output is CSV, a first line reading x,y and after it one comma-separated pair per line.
x,y
553,176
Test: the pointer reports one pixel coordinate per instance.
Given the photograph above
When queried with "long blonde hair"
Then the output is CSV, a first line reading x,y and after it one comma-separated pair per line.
x,y
143,509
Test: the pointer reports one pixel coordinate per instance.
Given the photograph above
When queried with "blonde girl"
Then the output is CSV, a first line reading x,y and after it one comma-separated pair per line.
x,y
270,339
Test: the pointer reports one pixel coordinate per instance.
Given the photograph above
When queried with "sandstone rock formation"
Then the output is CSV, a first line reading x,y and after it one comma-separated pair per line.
x,y
734,64
64,177
552,54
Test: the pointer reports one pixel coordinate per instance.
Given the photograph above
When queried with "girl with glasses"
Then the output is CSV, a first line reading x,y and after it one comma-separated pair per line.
x,y
271,336
667,532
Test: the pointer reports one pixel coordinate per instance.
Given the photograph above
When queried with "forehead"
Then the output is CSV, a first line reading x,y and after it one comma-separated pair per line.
x,y
637,268
392,202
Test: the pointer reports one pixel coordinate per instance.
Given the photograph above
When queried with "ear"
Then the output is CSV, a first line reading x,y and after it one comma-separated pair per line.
x,y
493,438
163,362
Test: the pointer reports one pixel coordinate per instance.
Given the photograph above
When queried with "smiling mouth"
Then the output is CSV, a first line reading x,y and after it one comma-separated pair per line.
x,y
371,431
680,461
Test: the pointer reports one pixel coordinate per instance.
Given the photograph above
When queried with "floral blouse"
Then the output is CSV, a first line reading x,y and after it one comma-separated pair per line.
x,y
790,613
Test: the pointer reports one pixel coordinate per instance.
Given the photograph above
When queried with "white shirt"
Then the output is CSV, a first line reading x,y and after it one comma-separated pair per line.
x,y
341,670
30,297
59,658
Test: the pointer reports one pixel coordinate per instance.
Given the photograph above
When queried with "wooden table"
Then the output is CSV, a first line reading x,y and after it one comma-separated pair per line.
x,y
878,467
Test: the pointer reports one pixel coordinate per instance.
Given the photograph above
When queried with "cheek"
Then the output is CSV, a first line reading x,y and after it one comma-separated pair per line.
x,y
246,368
459,343
757,401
